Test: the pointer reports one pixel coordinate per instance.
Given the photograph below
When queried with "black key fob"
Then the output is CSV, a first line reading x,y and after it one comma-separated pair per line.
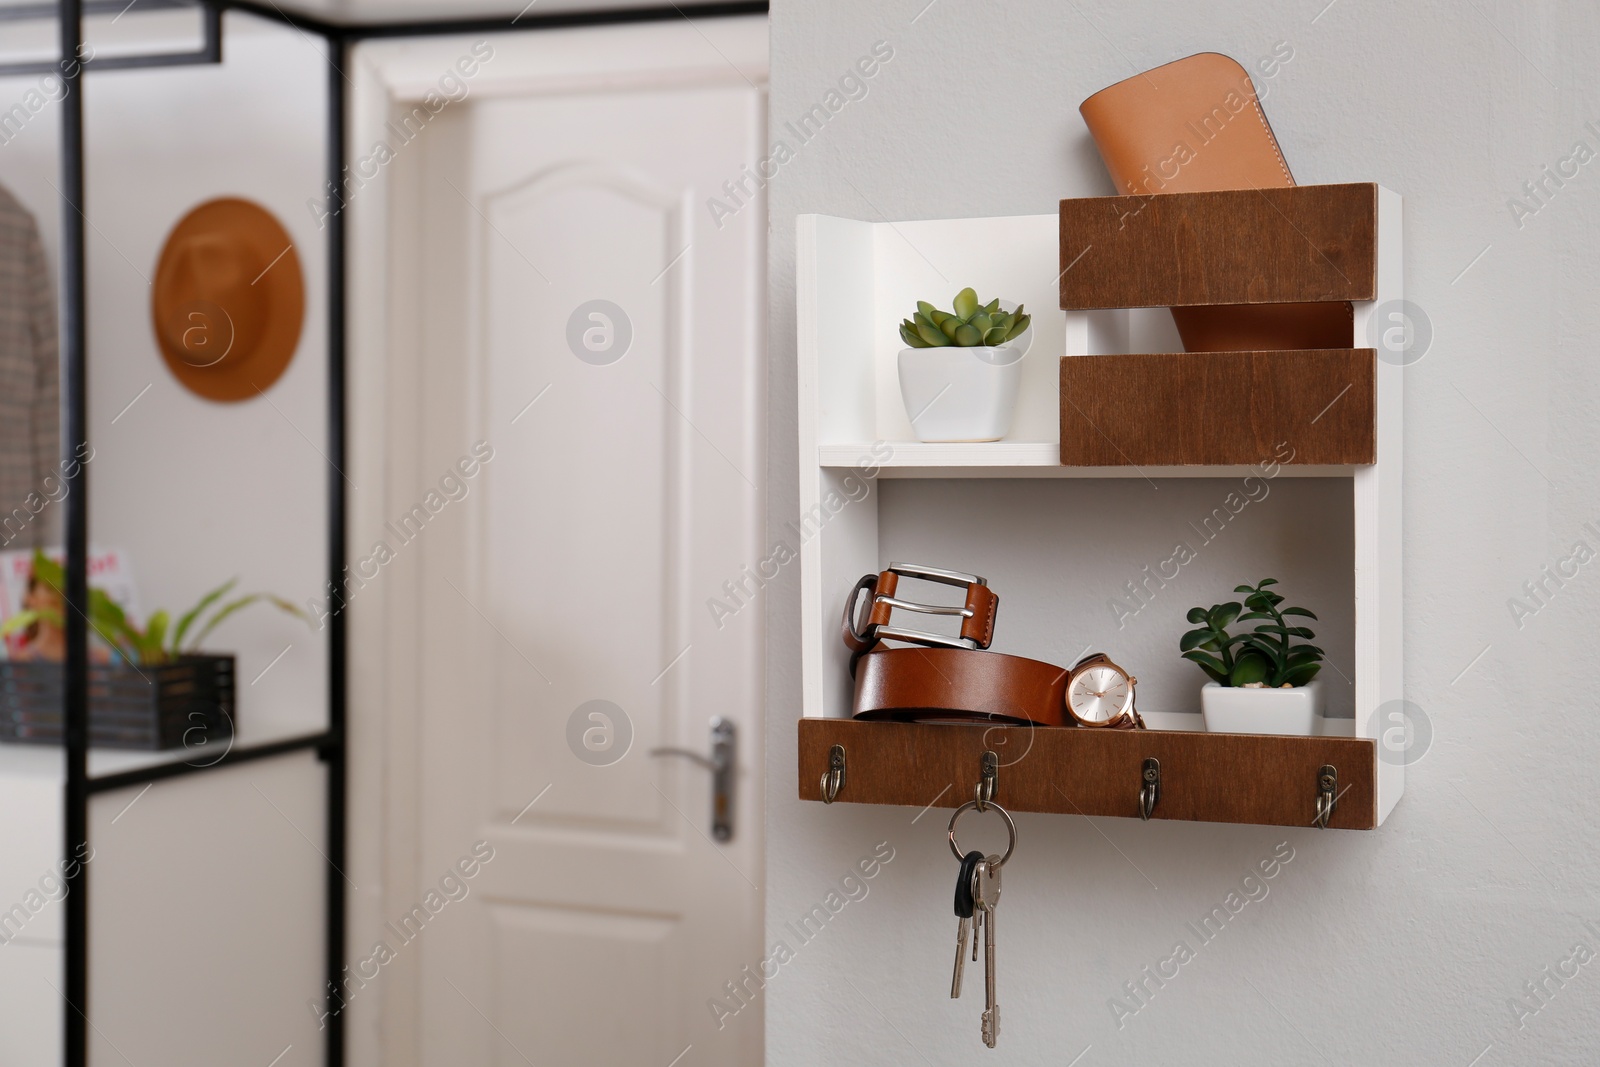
x,y
964,902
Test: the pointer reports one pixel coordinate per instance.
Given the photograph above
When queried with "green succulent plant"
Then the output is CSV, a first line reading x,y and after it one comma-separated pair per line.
x,y
160,639
1267,654
972,325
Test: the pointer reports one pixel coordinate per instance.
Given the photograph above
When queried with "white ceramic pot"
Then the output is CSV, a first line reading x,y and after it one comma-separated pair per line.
x,y
1228,710
960,394
963,394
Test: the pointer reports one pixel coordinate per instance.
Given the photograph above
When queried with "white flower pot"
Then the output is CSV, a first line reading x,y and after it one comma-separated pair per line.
x,y
1229,710
963,394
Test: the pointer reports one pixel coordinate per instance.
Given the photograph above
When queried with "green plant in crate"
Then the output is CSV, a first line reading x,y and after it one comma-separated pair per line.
x,y
160,639
1265,657
971,326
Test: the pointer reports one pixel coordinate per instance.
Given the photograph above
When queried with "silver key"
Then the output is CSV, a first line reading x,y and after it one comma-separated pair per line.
x,y
985,895
965,910
963,931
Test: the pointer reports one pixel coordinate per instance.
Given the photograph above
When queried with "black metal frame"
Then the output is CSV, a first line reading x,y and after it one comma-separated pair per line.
x,y
210,50
330,745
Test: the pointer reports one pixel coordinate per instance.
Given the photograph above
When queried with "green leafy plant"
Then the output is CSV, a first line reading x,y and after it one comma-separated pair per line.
x,y
972,325
160,639
1267,655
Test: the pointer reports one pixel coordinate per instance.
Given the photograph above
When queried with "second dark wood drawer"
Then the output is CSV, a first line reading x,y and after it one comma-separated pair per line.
x,y
1219,408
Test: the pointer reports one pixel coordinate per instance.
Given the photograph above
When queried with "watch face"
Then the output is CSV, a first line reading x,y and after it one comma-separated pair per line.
x,y
1099,694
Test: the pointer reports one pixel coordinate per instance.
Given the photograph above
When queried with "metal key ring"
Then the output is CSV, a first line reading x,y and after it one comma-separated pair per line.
x,y
1011,830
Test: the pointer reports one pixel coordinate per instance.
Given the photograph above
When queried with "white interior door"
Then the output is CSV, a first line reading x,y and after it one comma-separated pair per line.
x,y
584,418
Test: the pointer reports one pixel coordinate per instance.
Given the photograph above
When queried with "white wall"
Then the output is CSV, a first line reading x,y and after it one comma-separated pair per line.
x,y
1401,945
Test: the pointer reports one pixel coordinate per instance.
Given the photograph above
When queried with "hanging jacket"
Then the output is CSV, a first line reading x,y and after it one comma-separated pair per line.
x,y
30,478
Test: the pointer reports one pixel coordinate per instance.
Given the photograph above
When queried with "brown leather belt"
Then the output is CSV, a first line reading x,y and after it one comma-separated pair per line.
x,y
959,685
944,678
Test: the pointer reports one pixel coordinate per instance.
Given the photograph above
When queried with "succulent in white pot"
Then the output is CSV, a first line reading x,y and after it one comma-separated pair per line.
x,y
960,371
1261,681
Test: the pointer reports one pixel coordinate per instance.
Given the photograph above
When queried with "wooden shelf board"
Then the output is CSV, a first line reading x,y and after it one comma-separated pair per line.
x,y
1192,722
1228,778
1031,459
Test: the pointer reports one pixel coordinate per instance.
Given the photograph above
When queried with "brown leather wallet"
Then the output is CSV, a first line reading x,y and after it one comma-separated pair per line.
x,y
1191,126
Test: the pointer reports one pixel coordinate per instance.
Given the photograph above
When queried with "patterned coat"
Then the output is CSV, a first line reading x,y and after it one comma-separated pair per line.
x,y
29,384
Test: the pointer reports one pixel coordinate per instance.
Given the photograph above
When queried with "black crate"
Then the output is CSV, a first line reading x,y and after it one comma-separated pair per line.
x,y
187,702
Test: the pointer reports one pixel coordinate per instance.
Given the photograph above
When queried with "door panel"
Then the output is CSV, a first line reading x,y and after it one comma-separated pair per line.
x,y
572,1020
616,529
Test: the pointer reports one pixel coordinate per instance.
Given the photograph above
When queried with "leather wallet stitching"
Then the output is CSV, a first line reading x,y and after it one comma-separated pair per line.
x,y
1283,164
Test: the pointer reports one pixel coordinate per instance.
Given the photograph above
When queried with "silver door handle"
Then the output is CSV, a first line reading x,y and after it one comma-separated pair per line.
x,y
722,763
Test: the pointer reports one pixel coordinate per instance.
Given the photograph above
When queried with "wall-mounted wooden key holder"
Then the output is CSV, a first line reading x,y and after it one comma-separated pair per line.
x,y
1238,778
1105,411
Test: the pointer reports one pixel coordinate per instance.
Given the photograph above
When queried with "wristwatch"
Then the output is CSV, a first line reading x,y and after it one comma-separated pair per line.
x,y
1100,694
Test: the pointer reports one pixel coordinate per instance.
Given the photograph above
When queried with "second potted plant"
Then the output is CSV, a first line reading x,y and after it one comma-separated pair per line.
x,y
150,687
1262,681
960,371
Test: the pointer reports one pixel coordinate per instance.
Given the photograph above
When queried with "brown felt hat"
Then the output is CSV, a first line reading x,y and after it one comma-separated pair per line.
x,y
228,300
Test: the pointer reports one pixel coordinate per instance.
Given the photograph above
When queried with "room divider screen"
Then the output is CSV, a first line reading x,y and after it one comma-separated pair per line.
x,y
173,497
174,664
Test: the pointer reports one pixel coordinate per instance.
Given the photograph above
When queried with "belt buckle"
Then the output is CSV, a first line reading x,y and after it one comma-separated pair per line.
x,y
923,637
937,574
860,639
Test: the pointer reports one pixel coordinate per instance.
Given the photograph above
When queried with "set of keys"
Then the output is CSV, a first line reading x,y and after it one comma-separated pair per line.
x,y
977,893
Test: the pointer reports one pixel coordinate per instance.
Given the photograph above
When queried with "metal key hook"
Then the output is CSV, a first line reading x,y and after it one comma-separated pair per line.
x,y
1011,830
833,778
1149,788
988,779
1327,795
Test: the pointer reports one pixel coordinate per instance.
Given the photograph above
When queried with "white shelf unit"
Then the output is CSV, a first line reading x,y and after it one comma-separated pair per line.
x,y
855,280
